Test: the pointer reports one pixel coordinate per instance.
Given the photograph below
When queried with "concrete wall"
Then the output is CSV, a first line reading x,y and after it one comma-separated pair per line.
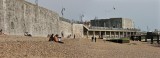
x,y
127,23
113,22
78,30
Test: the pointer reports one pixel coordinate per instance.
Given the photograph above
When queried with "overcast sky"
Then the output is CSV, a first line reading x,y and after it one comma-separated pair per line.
x,y
143,12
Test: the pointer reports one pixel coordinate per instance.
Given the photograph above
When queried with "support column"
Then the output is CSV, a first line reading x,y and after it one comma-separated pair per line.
x,y
94,33
119,35
110,34
105,36
123,34
158,39
114,34
100,34
87,34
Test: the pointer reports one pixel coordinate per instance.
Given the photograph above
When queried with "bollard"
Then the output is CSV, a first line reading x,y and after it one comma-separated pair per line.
x,y
151,39
139,38
158,39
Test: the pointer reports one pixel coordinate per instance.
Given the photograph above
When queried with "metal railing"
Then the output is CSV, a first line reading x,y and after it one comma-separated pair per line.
x,y
106,28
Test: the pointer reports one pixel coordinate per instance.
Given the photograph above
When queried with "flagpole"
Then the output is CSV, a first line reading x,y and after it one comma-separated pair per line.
x,y
37,8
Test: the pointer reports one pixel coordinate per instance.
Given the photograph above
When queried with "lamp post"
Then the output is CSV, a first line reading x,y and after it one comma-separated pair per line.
x,y
81,18
36,10
63,9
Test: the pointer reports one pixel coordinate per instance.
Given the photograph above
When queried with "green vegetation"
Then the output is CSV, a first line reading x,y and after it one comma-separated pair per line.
x,y
124,38
120,40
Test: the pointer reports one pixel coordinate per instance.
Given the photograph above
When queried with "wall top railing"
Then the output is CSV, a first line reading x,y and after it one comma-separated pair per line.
x,y
106,28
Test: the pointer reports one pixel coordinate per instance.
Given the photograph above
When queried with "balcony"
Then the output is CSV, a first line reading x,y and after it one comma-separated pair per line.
x,y
120,29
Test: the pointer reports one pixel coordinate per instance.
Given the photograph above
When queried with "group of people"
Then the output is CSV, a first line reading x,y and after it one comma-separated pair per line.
x,y
55,38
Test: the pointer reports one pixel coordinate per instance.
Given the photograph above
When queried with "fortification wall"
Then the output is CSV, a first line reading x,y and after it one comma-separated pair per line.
x,y
19,16
65,28
78,30
1,14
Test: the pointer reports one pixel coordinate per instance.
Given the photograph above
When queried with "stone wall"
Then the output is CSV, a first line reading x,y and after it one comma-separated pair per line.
x,y
78,30
65,28
19,16
1,14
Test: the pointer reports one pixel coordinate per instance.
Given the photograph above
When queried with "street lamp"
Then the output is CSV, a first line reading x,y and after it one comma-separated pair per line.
x,y
36,10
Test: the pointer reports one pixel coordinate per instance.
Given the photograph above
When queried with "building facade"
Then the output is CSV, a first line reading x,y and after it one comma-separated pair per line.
x,y
113,23
111,28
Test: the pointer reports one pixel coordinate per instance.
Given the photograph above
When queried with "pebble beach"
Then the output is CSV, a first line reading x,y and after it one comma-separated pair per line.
x,y
39,47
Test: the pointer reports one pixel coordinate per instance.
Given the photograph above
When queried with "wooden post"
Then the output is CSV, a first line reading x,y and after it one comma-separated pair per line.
x,y
105,34
158,39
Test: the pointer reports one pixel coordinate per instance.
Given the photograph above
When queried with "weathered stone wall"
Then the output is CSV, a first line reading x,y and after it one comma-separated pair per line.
x,y
19,16
78,30
1,14
14,17
65,28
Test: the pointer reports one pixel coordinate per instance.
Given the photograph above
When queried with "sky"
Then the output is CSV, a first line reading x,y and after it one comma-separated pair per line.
x,y
143,12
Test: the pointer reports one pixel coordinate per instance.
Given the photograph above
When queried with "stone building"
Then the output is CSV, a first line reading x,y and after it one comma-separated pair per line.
x,y
113,23
111,28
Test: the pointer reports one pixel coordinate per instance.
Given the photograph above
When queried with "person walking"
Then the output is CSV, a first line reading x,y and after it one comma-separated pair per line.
x,y
92,38
95,39
74,36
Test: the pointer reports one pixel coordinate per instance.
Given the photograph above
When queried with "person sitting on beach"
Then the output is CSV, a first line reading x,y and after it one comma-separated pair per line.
x,y
1,32
51,38
57,39
27,34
